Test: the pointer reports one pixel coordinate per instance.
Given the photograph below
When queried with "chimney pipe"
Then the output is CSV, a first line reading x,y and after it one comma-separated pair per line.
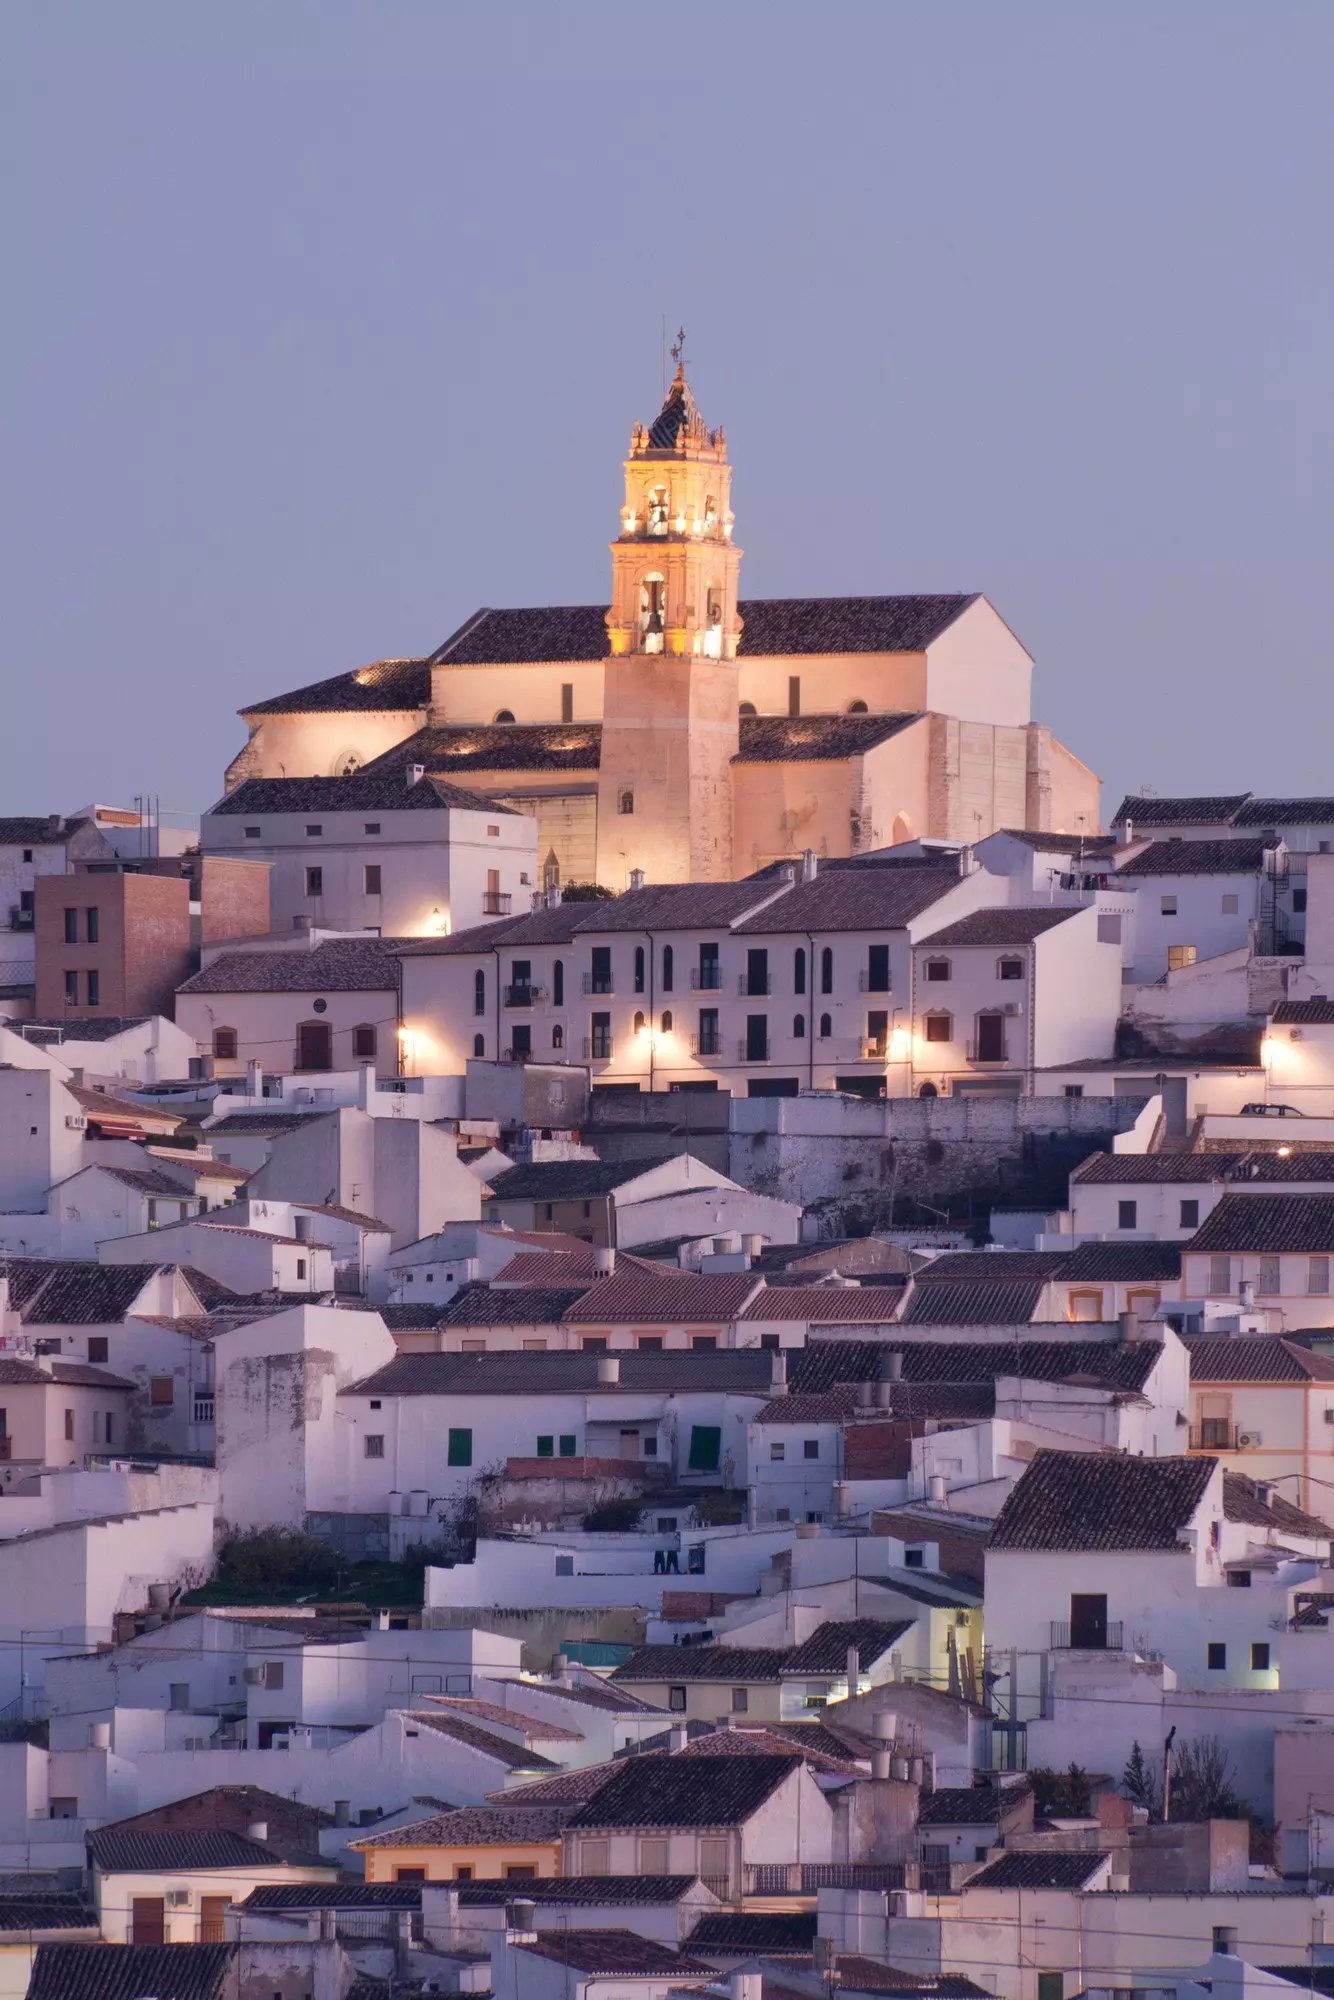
x,y
940,1488
604,1261
414,774
636,878
882,1764
884,1395
560,1668
342,1812
677,1737
1130,1329
854,1670
809,865
328,1927
778,1373
894,1365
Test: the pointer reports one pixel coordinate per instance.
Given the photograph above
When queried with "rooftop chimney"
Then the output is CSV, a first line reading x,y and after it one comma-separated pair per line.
x,y
636,878
342,1812
1130,831
809,865
257,1829
1130,1328
328,1926
609,1370
854,1670
604,1261
560,1668
940,1488
521,1921
553,895
778,1373
414,774
677,1737
894,1365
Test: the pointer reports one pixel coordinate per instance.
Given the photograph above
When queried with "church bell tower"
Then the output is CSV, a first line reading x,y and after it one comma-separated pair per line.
x,y
669,727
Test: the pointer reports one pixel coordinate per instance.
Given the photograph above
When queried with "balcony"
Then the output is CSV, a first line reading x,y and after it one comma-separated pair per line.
x,y
867,984
1214,1434
203,1410
524,995
599,982
753,1052
706,1045
597,1048
986,1055
1093,1638
874,1048
21,920
707,978
496,902
721,1886
517,1055
751,985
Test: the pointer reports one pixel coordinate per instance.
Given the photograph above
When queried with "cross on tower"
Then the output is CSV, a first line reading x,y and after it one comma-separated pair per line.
x,y
679,347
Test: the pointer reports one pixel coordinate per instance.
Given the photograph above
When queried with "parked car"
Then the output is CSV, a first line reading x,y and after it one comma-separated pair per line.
x,y
1271,1111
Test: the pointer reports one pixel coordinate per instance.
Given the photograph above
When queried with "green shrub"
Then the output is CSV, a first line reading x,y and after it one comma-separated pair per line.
x,y
276,1559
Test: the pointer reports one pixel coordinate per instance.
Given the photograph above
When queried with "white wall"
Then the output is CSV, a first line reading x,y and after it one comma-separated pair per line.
x,y
248,1260
38,1145
1200,918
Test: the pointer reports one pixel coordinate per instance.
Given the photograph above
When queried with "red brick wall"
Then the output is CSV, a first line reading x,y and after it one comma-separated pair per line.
x,y
233,897
879,1451
142,951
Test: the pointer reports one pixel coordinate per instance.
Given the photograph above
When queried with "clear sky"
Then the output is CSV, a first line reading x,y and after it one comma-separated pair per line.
x,y
325,323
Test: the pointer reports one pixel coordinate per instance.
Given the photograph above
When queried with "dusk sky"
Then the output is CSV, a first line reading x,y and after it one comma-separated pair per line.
x,y
327,323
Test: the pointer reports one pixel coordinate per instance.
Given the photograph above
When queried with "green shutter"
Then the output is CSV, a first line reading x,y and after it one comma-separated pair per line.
x,y
546,1447
568,1447
706,1444
1051,1986
460,1447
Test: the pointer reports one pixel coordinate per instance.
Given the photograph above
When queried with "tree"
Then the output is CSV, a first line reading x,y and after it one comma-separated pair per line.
x,y
1142,1782
1204,1782
1061,1794
586,892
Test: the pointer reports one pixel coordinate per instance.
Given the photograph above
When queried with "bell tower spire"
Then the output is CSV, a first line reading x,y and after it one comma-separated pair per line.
x,y
669,726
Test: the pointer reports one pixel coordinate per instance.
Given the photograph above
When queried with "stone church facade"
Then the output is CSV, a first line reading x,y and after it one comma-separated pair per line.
x,y
694,734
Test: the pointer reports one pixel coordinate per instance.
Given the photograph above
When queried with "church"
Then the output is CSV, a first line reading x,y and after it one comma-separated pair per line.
x,y
691,733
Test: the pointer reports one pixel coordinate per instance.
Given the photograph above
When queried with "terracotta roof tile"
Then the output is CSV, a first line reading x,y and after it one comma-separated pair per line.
x,y
1084,1501
475,1826
685,1791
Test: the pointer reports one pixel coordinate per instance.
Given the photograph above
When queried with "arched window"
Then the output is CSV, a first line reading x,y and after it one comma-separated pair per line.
x,y
799,1027
827,969
857,708
826,1027
713,622
668,968
224,1044
558,982
799,969
928,1090
710,513
747,708
639,968
901,830
639,1021
652,605
558,1036
504,715
656,511
479,992
625,802
667,1021
479,1045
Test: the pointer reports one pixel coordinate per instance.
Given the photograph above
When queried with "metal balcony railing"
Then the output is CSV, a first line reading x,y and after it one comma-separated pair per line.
x,y
21,920
754,983
1214,1434
516,1055
598,982
748,1051
706,1045
993,1055
597,1048
496,902
707,978
525,994
874,1048
203,1409
866,984
721,1886
1102,1639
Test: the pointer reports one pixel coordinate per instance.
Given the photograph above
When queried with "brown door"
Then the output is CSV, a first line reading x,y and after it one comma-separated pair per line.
x,y
212,1930
148,1920
314,1045
991,1038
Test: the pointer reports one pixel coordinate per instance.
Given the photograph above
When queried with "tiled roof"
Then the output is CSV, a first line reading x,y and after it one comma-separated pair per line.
x,y
476,1826
398,685
473,1708
45,830
590,1694
1256,1223
1120,1263
990,1265
413,1318
545,926
567,1788
805,739
1219,809
1038,1871
973,1302
1286,812
116,1851
744,1370
1072,1500
614,1952
998,927
685,1791
75,1291
144,1180
101,1103
339,965
753,1931
1255,1357
942,1401
870,899
15,1370
502,1749
564,1890
571,1269
776,1741
1154,1169
1243,1502
104,1030
132,1971
685,906
336,1896
704,1663
961,1545
262,1123
857,1974
970,1805
826,1651
825,1305
1087,846
826,1363
454,751
567,1180
1196,857
378,792
46,1913
517,1305
674,1297
1316,1012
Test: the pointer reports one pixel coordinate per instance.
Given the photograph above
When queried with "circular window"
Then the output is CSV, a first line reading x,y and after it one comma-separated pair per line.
x,y
319,1006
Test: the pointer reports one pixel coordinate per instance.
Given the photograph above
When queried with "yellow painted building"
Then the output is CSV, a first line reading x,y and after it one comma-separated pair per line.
x,y
476,1843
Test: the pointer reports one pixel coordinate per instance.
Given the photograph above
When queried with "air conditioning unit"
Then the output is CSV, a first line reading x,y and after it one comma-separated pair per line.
x,y
178,1899
254,1677
1012,1007
75,1121
1329,1416
1247,1439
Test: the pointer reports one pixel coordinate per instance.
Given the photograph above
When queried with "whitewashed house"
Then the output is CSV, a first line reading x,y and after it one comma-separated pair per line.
x,y
311,1004
243,1258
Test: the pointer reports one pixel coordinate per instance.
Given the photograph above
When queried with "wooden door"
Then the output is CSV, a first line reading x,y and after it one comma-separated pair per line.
x,y
212,1930
148,1920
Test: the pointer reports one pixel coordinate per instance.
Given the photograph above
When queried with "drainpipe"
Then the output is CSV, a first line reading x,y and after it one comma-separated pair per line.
x,y
652,974
495,953
811,1022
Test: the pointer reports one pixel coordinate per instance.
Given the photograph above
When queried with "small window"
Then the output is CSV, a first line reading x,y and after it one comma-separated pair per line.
x,y
676,1700
810,1447
565,1565
1217,1657
479,992
94,987
567,701
69,1425
1179,956
625,802
1230,905
1109,930
914,1558
92,926
558,1036
639,968
371,876
460,1447
639,1023
857,708
273,1674
668,968
1269,1281
1260,1656
667,1021
301,1267
492,833
98,1347
363,1043
503,715
569,1446
225,1044
1010,968
314,881
71,994
1220,1275
1299,902
1086,1305
71,927
1127,1214
252,833
1167,906
799,970
827,969
373,1444
1189,1215
740,1700
479,1046
546,1447
314,832
938,969
162,1391
777,1452
799,1027
371,826
1074,1090
1317,1276
939,1027
826,1027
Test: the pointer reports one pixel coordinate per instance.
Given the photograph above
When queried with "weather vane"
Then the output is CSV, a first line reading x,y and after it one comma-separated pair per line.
x,y
679,347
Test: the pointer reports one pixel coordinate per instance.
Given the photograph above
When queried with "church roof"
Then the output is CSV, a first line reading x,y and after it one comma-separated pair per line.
x,y
380,791
553,634
800,739
677,415
456,750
